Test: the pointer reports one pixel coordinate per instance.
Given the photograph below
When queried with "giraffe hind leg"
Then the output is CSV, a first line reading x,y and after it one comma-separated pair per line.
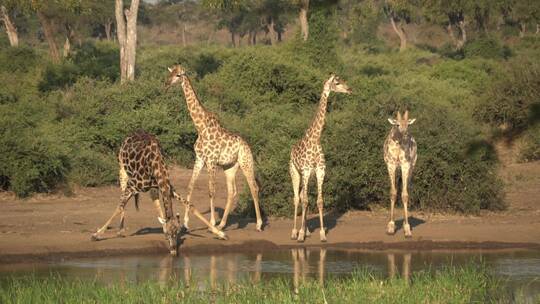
x,y
126,195
245,159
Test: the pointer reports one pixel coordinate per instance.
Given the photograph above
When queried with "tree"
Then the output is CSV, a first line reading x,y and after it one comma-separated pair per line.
x,y
303,6
455,13
400,12
126,29
525,12
6,7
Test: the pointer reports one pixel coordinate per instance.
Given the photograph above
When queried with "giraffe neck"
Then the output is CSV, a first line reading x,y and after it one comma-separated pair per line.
x,y
197,112
315,129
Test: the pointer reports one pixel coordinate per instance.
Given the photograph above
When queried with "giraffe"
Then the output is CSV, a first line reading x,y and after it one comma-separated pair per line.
x,y
400,151
307,156
216,146
142,169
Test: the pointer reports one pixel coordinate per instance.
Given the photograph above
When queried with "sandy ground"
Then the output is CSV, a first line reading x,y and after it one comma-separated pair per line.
x,y
57,227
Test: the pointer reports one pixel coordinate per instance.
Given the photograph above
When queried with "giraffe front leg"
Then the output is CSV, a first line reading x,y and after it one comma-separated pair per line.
x,y
391,228
126,195
295,177
304,197
199,164
212,191
405,176
320,202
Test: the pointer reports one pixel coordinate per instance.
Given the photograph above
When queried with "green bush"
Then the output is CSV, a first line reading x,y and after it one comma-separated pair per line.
x,y
512,99
100,60
530,151
267,94
486,47
32,157
18,59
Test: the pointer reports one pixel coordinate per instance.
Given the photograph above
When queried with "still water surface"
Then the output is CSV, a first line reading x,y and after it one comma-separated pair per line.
x,y
520,270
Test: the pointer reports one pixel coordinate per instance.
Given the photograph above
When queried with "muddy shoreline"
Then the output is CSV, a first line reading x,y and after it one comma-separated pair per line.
x,y
264,246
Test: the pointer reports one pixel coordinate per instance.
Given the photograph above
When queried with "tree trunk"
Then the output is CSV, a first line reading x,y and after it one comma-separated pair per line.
x,y
131,39
108,26
184,41
272,31
126,25
537,29
49,36
11,30
463,32
254,39
67,47
450,31
121,34
233,40
210,37
522,29
69,37
303,18
400,32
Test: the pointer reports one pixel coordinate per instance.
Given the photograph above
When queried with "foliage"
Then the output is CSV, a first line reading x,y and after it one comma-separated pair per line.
x,y
487,47
469,284
514,99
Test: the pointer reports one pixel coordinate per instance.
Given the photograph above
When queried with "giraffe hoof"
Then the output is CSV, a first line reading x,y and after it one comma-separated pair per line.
x,y
301,237
95,237
223,236
391,228
259,226
323,236
294,234
407,230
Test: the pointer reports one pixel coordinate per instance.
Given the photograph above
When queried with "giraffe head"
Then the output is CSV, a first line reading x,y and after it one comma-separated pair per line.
x,y
176,74
171,230
402,122
336,84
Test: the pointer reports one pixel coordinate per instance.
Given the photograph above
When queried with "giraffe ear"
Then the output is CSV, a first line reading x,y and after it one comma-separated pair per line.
x,y
392,121
411,121
170,70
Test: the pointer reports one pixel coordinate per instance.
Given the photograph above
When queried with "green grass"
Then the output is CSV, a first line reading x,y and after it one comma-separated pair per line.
x,y
469,284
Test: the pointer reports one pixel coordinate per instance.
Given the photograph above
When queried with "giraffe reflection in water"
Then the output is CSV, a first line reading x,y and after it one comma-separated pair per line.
x,y
229,269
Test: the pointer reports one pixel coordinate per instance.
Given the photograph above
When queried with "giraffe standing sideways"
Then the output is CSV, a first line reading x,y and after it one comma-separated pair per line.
x,y
400,151
142,168
216,146
307,156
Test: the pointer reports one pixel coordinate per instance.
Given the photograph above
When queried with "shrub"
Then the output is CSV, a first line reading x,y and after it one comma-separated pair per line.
x,y
32,158
452,154
530,151
513,98
18,59
486,47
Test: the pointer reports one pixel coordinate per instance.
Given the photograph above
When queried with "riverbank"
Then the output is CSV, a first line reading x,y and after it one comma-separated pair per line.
x,y
53,227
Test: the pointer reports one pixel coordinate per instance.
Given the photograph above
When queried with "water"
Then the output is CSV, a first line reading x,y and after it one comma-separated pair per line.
x,y
520,270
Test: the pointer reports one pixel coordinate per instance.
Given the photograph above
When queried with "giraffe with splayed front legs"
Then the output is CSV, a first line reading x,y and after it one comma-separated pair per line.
x,y
307,156
143,169
216,146
400,152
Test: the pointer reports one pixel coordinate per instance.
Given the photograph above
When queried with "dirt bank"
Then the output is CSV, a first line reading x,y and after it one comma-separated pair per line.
x,y
56,227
